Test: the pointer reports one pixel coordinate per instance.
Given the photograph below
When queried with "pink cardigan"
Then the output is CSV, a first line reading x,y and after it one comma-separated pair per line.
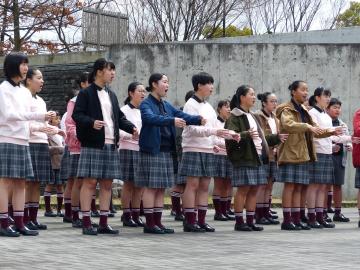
x,y
71,140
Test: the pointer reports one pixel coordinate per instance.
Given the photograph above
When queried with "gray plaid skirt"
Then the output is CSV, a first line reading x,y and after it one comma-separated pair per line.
x,y
73,165
294,173
223,166
197,164
272,170
155,171
339,170
15,161
55,178
248,176
129,160
40,159
64,167
99,163
322,170
357,178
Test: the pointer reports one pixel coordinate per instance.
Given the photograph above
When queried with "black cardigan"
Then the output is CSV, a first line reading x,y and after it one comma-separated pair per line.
x,y
88,109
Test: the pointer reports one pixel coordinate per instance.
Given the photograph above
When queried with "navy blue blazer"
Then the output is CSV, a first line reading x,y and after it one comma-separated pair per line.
x,y
152,120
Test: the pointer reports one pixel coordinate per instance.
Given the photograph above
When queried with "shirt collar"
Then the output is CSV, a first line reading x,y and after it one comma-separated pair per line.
x,y
198,99
265,113
13,83
131,106
98,87
318,109
220,119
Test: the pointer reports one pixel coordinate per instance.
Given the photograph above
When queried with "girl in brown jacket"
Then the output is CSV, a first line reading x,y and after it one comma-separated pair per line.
x,y
295,154
270,125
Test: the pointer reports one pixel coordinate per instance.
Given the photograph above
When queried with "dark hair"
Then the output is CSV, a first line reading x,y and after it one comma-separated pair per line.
x,y
84,77
241,91
12,64
201,78
155,77
189,94
263,97
334,101
131,88
317,93
30,74
295,85
111,65
99,64
222,103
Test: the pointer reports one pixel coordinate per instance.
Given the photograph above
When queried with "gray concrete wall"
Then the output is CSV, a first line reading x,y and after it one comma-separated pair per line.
x,y
267,67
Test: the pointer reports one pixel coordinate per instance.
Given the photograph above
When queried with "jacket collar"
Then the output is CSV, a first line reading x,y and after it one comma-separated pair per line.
x,y
238,112
155,99
98,88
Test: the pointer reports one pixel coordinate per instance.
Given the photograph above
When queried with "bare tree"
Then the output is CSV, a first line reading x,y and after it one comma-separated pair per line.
x,y
300,14
336,6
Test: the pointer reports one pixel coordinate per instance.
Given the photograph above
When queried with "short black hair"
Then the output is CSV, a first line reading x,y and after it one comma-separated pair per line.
x,y
30,74
84,77
201,78
12,64
112,65
334,101
222,103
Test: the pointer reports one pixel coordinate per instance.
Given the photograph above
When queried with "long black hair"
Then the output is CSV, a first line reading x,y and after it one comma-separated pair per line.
x,y
131,88
99,64
12,64
84,77
154,78
241,91
318,93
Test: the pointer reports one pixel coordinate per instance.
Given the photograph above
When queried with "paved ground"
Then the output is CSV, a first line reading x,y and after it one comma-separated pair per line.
x,y
61,247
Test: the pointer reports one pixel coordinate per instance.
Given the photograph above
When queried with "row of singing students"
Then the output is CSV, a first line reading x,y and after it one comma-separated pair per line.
x,y
150,163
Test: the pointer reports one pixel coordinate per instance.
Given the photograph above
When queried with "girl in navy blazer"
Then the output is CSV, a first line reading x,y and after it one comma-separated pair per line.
x,y
157,150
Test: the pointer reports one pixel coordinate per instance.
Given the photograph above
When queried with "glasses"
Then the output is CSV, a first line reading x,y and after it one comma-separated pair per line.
x,y
141,91
273,101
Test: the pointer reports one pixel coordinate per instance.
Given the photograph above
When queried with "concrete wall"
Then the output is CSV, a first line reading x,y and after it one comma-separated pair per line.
x,y
267,67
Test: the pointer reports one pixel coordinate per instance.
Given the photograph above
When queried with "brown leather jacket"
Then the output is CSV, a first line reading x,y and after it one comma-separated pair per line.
x,y
263,121
299,147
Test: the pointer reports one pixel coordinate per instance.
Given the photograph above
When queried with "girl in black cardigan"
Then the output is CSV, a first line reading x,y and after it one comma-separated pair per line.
x,y
98,120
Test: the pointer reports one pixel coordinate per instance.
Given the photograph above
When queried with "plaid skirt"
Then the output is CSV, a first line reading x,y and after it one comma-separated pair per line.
x,y
357,178
294,173
73,165
322,170
248,176
64,167
99,163
272,170
129,160
155,171
339,170
40,159
15,161
55,178
223,167
197,164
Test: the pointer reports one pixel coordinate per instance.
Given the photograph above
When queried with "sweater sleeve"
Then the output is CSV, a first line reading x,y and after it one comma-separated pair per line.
x,y
190,119
198,131
10,113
